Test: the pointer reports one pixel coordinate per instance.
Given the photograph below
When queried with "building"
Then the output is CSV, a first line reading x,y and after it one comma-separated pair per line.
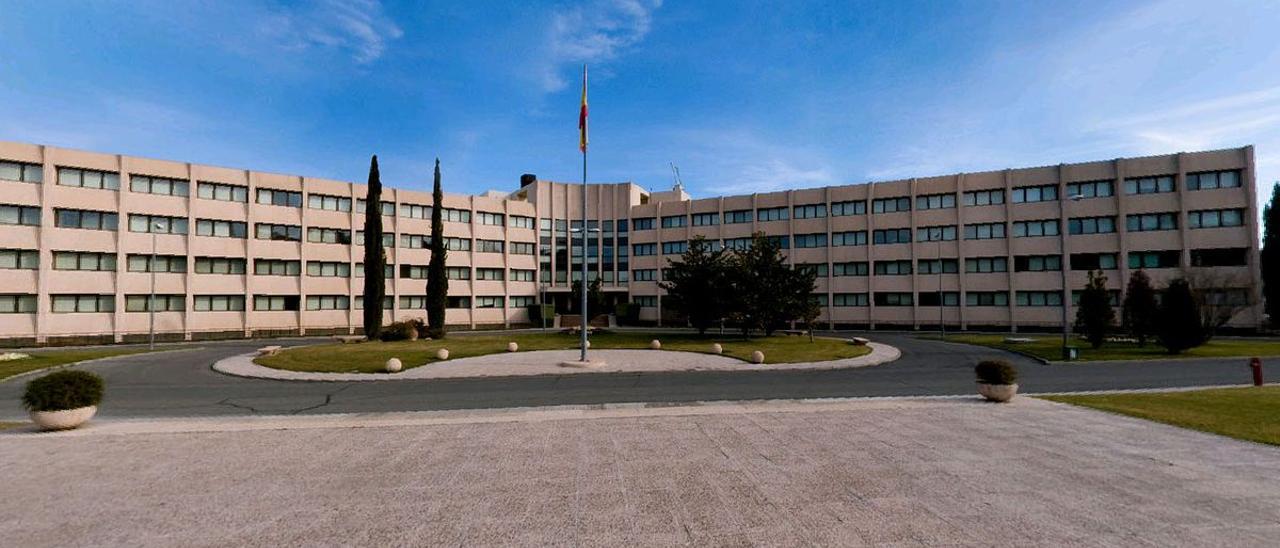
x,y
241,252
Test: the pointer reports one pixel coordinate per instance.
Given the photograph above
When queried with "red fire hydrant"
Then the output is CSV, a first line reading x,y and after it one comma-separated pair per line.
x,y
1256,365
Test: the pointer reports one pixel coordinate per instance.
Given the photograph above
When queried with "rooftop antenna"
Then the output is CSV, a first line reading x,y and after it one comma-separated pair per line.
x,y
675,173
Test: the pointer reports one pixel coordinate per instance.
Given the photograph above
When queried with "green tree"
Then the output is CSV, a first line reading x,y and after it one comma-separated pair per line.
x,y
1094,317
437,282
1271,255
1139,310
695,284
1178,323
375,282
595,297
765,292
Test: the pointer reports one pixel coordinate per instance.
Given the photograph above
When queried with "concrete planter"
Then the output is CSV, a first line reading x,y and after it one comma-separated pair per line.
x,y
997,392
63,420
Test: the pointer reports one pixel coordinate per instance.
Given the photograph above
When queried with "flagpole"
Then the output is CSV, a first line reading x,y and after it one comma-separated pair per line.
x,y
585,232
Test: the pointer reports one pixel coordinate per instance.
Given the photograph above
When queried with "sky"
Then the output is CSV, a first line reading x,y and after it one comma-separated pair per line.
x,y
743,96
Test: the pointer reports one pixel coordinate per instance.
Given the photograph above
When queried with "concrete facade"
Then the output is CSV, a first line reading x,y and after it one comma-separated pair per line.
x,y
225,274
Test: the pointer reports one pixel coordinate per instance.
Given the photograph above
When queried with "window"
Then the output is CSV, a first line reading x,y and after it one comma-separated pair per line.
x,y
938,266
1214,218
819,269
1154,259
388,238
857,237
936,201
387,303
645,275
222,192
458,302
219,303
333,269
936,233
1027,194
412,302
489,246
843,209
771,214
1226,297
331,203
520,221
932,298
409,271
457,272
1093,261
157,224
985,265
1233,256
491,219
19,259
164,303
1037,263
21,172
520,301
1090,189
521,275
273,303
285,233
705,219
1091,225
489,274
1213,179
19,215
811,240
83,303
17,304
986,298
415,211
522,248
158,185
892,236
489,302
388,208
892,268
219,265
859,268
1031,229
642,250
88,178
888,298
812,211
221,229
890,205
457,244
674,248
737,216
849,299
1151,221
739,244
162,263
84,260
287,198
277,267
334,302
388,271
1149,185
415,241
984,197
1113,297
1039,298
819,299
673,221
644,223
321,235
984,231
81,218
645,301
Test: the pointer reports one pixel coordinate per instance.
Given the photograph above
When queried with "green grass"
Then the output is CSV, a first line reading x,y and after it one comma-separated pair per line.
x,y
10,425
41,359
1242,413
1050,348
371,357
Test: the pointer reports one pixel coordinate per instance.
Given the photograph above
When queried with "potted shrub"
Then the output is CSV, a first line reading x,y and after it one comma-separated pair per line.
x,y
997,380
63,399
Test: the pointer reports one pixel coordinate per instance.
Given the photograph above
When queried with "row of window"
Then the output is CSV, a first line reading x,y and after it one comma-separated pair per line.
x,y
65,304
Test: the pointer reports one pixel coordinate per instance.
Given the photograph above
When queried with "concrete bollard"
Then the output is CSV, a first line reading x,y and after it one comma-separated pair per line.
x,y
1255,364
512,346
715,347
757,357
394,365
442,354
655,345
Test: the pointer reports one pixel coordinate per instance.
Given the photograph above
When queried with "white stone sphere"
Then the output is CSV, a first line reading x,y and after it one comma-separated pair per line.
x,y
588,344
715,347
757,357
512,347
442,354
655,344
394,365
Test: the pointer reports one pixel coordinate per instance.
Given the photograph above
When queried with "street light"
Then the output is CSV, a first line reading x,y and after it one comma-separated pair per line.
x,y
1063,262
585,223
151,300
942,324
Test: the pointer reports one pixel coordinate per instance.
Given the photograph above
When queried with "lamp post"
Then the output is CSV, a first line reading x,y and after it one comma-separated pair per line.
x,y
1064,261
585,234
542,306
942,324
151,300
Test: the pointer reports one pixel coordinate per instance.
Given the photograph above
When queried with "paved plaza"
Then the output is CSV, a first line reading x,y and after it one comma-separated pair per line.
x,y
913,472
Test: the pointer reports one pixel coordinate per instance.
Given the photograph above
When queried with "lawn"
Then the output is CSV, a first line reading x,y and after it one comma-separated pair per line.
x,y
1050,348
41,359
370,357
1243,413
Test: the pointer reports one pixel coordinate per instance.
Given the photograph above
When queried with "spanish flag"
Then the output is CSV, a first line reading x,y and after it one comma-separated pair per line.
x,y
582,116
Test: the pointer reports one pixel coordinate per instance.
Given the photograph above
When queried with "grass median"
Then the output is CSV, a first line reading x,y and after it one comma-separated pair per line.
x,y
1243,413
41,359
371,357
1050,348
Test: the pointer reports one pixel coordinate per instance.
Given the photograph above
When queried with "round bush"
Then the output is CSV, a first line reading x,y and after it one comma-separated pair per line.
x,y
996,372
61,390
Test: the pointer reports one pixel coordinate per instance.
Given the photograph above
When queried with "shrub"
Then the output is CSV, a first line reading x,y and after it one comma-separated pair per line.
x,y
996,372
400,331
61,390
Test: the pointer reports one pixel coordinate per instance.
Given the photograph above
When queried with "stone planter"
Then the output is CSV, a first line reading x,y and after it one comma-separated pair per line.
x,y
63,420
997,392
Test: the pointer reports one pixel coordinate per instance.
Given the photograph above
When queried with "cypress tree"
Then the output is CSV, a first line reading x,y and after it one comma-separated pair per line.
x,y
1095,315
1178,324
375,283
1271,255
437,283
1140,307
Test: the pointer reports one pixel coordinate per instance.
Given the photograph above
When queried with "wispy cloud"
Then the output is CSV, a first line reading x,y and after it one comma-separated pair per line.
x,y
594,33
359,27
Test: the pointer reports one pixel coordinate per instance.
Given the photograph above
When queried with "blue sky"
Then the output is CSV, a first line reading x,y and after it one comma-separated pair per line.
x,y
743,96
